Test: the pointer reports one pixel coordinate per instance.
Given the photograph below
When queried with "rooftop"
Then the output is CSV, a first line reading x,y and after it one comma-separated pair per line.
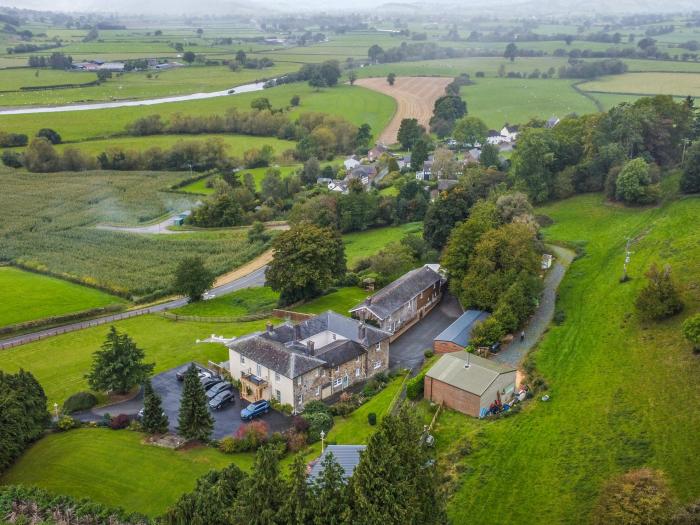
x,y
347,456
467,371
460,331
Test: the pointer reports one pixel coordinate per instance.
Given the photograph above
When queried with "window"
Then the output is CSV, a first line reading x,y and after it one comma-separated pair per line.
x,y
300,399
377,364
278,396
337,368
318,372
277,377
318,390
338,382
357,359
357,372
299,380
258,370
242,360
378,348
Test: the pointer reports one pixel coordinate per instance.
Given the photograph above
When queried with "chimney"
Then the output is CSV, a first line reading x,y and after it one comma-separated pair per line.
x,y
369,301
361,331
310,346
268,327
297,332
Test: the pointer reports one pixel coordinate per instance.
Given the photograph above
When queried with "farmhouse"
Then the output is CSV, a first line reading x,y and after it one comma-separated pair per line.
x,y
456,336
494,137
398,306
347,456
314,359
365,174
468,383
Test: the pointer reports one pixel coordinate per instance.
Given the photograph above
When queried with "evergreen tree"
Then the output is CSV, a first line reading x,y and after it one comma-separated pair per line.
x,y
690,180
261,501
298,506
330,504
659,299
194,420
154,419
419,155
118,366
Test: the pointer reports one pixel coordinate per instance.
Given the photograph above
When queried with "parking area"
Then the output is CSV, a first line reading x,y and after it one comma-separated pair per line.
x,y
226,420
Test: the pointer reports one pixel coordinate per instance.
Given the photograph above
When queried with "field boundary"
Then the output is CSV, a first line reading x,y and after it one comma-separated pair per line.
x,y
58,319
216,319
598,104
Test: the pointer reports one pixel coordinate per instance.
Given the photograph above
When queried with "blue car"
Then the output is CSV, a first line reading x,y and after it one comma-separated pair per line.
x,y
255,409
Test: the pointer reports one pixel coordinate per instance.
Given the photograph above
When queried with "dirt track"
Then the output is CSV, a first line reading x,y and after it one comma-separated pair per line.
x,y
415,97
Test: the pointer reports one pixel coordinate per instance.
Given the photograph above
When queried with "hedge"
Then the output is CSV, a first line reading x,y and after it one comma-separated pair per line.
x,y
414,387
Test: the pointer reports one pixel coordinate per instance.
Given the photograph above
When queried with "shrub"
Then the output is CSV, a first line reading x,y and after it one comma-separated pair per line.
x,y
559,317
251,436
66,423
315,406
372,418
295,440
300,424
318,421
414,387
119,422
659,299
12,159
428,354
78,402
228,445
371,388
691,331
104,420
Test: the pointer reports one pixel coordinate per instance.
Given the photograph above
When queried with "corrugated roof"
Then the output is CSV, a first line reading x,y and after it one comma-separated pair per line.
x,y
467,371
347,456
460,331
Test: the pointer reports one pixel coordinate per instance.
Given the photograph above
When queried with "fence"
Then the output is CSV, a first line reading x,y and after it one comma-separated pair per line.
x,y
220,319
290,314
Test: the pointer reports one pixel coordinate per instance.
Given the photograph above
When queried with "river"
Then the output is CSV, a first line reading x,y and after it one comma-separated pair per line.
x,y
246,88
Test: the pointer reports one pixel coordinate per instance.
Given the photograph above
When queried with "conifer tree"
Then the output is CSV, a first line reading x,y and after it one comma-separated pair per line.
x,y
194,420
330,505
297,509
154,419
260,503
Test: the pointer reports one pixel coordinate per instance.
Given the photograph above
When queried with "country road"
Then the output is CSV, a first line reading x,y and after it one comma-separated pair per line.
x,y
255,278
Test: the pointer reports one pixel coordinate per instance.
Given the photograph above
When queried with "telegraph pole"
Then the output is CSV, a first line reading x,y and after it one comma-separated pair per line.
x,y
628,254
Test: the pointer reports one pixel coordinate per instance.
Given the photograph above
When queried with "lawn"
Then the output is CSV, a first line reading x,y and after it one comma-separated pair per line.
x,y
340,301
622,393
359,245
115,468
60,362
677,84
236,304
27,296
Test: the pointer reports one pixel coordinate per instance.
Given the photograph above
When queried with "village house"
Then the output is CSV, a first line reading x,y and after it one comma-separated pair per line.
x,y
351,163
468,383
551,122
427,172
339,186
376,152
314,359
494,137
509,133
401,304
365,174
456,336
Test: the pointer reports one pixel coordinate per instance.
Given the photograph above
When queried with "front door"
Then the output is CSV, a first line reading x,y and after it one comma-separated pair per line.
x,y
346,381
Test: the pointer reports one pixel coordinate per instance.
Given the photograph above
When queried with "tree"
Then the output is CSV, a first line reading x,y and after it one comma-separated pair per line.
x,y
297,508
447,210
294,101
419,154
188,56
639,497
445,165
311,171
410,132
258,233
490,156
691,331
306,260
534,163
317,81
690,180
194,420
633,184
352,77
118,366
103,75
659,299
240,56
511,52
330,499
374,52
192,278
364,135
391,78
52,136
261,103
470,130
41,157
154,420
262,499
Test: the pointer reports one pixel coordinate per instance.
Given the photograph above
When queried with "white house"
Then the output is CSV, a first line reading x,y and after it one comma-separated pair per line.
x,y
509,133
339,186
351,163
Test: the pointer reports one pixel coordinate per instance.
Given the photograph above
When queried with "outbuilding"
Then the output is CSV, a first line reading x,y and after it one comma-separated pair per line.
x,y
456,336
468,383
347,456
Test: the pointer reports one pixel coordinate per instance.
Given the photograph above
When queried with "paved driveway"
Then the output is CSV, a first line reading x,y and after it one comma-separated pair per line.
x,y
407,350
226,420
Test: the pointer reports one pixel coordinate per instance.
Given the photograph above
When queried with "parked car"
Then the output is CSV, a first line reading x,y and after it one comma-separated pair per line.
x,y
210,382
255,409
203,374
139,416
218,388
222,398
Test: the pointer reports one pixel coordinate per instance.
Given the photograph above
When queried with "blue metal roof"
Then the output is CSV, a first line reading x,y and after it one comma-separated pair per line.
x,y
348,456
460,331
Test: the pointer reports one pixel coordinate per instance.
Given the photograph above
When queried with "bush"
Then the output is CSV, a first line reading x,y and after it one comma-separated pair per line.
x,y
414,387
315,406
228,445
12,159
251,436
119,422
659,299
559,317
295,440
318,421
78,402
428,354
372,418
300,424
66,423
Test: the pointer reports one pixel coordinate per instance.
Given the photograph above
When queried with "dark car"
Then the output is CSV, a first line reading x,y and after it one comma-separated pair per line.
x,y
222,398
210,382
218,388
255,409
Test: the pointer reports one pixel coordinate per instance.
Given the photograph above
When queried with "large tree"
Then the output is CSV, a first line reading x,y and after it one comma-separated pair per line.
x,y
118,366
690,180
297,507
261,502
443,213
154,420
306,260
41,157
511,52
470,130
330,496
410,132
192,278
194,419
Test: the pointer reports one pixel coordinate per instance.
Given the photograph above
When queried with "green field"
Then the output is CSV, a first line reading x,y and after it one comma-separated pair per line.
x,y
236,304
622,394
677,84
14,79
363,244
340,301
116,468
354,103
27,296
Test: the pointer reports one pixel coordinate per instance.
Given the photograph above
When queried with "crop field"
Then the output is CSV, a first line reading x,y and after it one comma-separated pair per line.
x,y
52,228
614,383
132,85
27,296
677,84
355,103
415,98
235,144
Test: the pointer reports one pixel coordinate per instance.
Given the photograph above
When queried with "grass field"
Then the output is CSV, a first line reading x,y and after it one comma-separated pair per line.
x,y
14,79
363,244
116,468
236,304
27,296
621,393
677,84
354,103
340,301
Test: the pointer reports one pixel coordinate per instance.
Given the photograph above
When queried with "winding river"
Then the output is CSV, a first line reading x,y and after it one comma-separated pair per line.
x,y
246,88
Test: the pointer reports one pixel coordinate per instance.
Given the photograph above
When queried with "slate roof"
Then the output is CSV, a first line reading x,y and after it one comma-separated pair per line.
x,y
393,296
480,373
341,351
446,184
460,331
275,356
348,456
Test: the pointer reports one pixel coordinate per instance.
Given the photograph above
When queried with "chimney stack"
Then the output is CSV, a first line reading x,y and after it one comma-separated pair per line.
x,y
297,332
361,331
310,346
